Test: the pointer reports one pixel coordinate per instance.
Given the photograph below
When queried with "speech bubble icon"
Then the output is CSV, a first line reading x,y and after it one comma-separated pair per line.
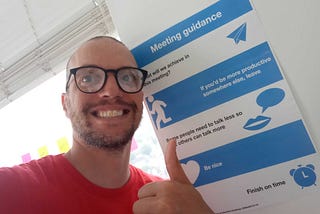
x,y
270,97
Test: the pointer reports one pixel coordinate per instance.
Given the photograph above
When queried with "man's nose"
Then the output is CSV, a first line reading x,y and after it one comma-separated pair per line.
x,y
110,88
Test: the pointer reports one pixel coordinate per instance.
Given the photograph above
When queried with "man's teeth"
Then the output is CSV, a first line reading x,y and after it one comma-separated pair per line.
x,y
113,113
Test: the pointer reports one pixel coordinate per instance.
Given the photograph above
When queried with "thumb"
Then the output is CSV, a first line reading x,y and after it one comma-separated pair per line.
x,y
173,165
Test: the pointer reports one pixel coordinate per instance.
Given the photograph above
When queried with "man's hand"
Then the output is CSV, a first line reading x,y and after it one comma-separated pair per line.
x,y
176,195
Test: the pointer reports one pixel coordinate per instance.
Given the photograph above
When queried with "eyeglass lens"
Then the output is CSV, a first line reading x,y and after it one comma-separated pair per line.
x,y
92,79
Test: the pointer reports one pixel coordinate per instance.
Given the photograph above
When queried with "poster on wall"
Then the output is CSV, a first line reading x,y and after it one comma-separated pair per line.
x,y
216,87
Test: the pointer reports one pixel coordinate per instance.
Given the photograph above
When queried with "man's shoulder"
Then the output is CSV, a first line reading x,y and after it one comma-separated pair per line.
x,y
29,170
27,184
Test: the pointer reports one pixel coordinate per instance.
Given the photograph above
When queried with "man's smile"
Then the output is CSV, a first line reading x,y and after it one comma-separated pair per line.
x,y
110,113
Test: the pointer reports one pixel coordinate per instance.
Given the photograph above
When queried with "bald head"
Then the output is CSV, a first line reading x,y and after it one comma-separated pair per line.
x,y
98,46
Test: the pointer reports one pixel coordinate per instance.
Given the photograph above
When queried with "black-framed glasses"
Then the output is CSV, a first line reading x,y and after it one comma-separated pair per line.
x,y
91,79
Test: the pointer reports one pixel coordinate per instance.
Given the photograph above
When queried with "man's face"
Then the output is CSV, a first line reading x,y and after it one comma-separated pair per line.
x,y
106,119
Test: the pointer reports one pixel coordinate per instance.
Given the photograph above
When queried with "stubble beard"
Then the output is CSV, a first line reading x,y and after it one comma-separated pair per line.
x,y
84,131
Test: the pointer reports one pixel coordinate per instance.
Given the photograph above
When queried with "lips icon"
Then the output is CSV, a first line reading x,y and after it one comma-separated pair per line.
x,y
257,123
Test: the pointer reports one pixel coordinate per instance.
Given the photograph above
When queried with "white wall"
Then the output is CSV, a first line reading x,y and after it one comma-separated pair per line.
x,y
292,27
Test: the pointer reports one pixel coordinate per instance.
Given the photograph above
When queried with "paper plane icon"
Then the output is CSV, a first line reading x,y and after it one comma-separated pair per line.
x,y
239,34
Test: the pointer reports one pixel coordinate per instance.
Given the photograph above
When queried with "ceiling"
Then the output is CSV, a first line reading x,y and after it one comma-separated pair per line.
x,y
38,36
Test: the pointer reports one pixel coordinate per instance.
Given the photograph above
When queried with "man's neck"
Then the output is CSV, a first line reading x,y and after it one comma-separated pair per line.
x,y
108,169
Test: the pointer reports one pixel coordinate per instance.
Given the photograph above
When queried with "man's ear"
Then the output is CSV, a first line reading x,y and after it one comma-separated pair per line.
x,y
64,101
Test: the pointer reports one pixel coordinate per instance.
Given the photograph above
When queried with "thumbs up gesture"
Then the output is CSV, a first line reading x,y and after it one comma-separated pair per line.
x,y
176,195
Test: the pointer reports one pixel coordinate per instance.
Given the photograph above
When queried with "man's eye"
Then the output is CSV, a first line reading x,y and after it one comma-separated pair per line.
x,y
87,79
127,78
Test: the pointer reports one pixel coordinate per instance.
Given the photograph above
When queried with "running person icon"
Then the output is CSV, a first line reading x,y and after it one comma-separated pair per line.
x,y
157,108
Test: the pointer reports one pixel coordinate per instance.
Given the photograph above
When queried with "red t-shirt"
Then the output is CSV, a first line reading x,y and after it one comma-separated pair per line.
x,y
53,185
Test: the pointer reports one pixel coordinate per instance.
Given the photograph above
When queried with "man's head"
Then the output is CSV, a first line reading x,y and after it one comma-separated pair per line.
x,y
108,118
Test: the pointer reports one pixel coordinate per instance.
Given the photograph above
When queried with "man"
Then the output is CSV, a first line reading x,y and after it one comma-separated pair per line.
x,y
103,101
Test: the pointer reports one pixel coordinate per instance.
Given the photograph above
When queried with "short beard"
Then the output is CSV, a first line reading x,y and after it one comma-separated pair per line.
x,y
109,143
101,140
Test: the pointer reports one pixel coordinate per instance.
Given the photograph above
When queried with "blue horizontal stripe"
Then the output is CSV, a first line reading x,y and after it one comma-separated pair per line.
x,y
285,143
229,10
